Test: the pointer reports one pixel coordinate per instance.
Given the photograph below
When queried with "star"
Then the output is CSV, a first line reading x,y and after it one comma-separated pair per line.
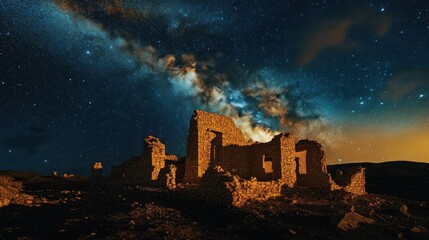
x,y
352,76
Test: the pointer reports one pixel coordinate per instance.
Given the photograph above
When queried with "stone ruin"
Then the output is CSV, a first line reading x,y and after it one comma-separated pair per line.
x,y
230,170
219,187
352,181
97,170
153,167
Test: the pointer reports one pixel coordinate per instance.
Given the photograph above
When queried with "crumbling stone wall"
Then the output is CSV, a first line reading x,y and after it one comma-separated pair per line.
x,y
208,132
153,157
248,161
266,161
245,169
353,181
144,169
213,187
316,171
301,162
231,161
219,187
180,168
215,140
167,177
153,167
357,182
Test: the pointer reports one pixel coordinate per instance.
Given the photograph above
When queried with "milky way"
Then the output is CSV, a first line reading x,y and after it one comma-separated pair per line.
x,y
86,81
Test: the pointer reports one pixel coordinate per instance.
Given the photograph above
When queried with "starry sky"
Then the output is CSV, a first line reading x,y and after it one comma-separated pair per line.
x,y
85,81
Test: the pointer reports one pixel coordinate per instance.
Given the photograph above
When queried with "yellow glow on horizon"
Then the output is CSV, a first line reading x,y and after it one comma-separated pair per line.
x,y
375,145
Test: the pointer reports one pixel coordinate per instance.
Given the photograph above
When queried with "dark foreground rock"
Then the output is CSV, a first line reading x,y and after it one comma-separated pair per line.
x,y
351,220
151,213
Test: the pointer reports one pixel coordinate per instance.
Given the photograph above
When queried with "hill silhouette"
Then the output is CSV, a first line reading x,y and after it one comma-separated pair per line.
x,y
403,179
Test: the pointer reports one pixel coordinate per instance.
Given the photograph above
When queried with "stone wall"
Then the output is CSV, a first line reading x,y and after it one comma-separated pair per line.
x,y
301,162
219,187
353,181
248,161
153,157
167,177
208,132
316,175
287,154
144,169
232,169
180,168
215,140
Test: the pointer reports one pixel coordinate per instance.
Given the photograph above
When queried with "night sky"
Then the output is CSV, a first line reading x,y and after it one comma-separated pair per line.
x,y
85,81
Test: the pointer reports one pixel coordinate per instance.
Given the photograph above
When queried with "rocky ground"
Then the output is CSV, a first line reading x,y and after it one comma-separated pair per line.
x,y
397,207
149,213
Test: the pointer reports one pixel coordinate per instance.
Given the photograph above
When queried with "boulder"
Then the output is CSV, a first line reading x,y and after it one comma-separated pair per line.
x,y
351,220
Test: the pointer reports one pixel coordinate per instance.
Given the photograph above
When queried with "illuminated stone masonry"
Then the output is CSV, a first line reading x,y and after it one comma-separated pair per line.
x,y
232,170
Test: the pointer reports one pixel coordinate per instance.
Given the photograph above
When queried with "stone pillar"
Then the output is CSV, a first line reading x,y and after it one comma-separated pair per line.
x,y
97,170
153,157
171,177
287,159
192,151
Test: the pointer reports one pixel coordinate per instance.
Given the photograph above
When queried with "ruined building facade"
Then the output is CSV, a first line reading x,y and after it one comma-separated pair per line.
x,y
215,142
152,167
